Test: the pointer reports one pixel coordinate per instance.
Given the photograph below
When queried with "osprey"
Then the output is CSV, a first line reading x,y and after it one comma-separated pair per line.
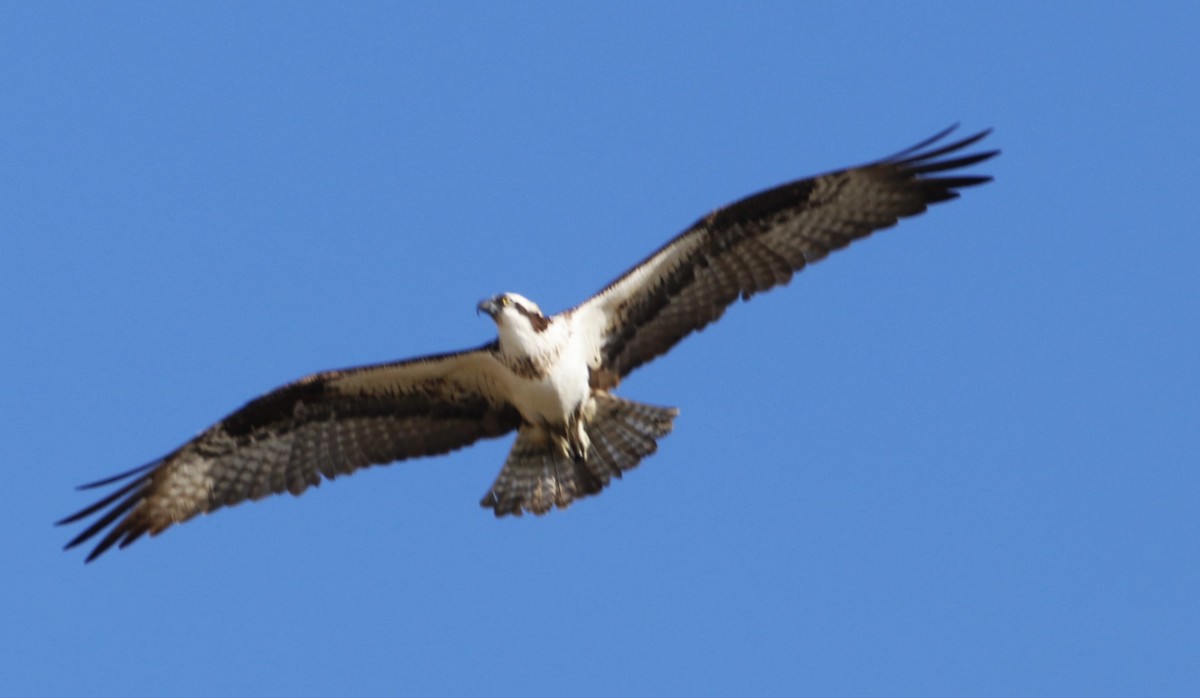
x,y
548,377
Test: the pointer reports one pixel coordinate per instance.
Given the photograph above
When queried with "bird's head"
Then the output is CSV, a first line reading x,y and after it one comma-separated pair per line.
x,y
512,311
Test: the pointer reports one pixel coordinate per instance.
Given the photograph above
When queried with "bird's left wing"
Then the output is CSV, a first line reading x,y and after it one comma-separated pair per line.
x,y
327,424
758,243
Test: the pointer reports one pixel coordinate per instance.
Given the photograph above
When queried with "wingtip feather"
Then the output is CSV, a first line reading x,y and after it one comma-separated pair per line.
x,y
918,153
923,144
121,476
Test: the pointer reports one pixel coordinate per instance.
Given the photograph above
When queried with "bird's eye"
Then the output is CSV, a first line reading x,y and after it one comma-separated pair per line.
x,y
505,300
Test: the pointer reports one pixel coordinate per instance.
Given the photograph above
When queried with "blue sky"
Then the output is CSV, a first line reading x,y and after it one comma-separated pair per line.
x,y
959,458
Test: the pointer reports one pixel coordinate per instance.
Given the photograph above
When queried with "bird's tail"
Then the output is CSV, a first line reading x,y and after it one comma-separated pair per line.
x,y
539,475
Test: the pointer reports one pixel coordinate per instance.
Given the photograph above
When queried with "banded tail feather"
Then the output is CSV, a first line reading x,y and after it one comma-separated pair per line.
x,y
538,475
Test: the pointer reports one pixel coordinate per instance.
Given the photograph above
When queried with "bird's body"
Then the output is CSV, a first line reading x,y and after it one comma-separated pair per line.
x,y
548,369
549,378
547,374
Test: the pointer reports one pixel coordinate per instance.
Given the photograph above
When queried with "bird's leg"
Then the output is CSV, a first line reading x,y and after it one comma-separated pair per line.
x,y
578,442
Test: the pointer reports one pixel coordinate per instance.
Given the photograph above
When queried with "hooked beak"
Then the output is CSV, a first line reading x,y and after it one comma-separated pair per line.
x,y
488,306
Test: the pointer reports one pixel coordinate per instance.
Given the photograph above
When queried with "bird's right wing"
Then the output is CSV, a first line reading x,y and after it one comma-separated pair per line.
x,y
327,424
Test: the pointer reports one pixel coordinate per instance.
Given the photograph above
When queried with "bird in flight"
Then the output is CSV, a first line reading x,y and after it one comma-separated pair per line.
x,y
550,378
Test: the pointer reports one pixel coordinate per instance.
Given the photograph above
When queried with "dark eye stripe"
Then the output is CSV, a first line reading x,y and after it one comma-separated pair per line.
x,y
537,320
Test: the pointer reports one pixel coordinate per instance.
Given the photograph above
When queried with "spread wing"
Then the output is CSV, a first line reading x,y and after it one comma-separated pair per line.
x,y
758,243
328,424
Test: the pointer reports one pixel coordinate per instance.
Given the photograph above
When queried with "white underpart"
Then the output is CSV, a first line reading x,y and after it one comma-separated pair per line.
x,y
567,346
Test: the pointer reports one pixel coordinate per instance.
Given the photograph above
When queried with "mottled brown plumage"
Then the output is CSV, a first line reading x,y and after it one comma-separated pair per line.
x,y
322,426
758,242
548,378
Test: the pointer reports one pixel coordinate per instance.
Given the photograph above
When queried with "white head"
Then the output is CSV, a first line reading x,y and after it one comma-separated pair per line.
x,y
518,319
